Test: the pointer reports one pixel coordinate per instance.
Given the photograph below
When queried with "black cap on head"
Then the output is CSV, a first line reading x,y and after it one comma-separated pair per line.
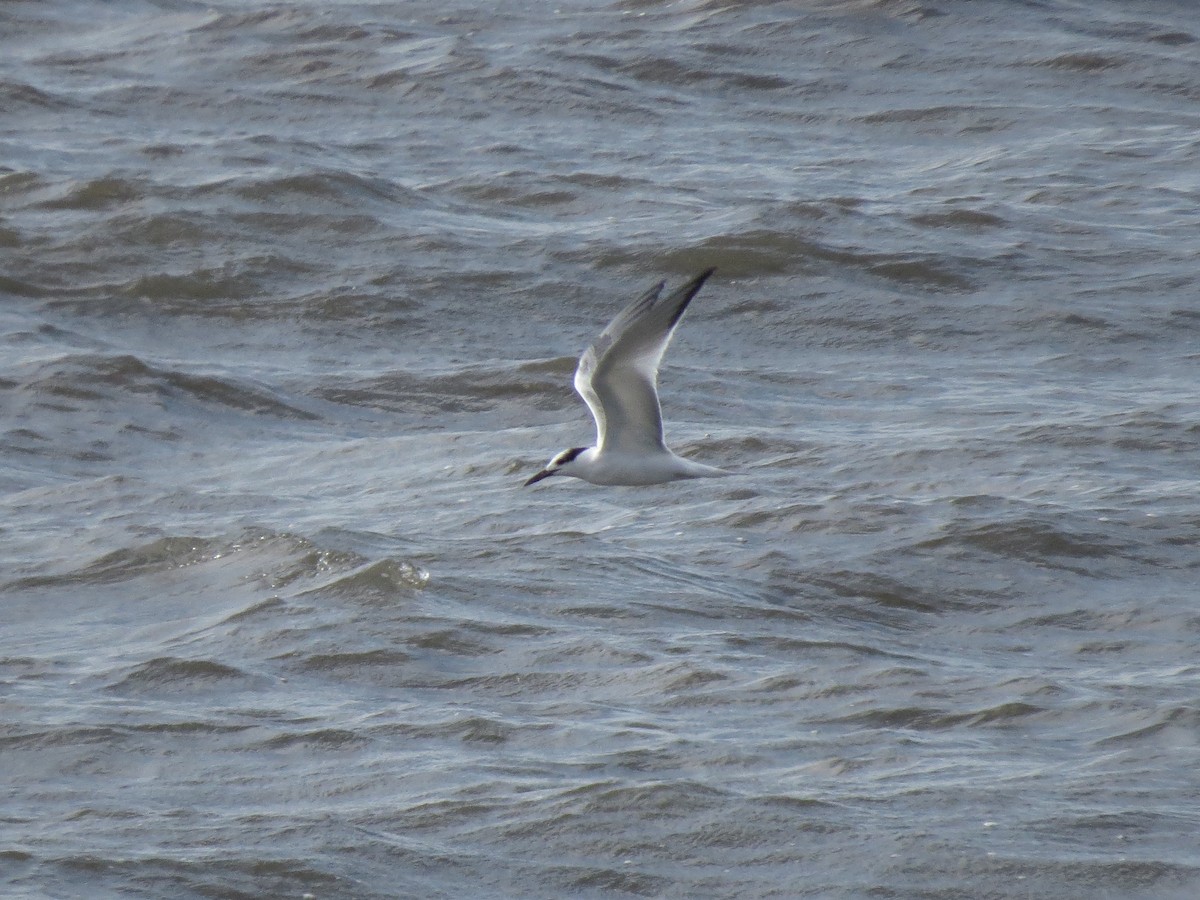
x,y
555,464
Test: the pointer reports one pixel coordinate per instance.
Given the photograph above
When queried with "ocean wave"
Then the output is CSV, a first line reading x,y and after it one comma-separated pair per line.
x,y
75,382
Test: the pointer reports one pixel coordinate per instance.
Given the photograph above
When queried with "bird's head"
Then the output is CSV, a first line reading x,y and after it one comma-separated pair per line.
x,y
562,464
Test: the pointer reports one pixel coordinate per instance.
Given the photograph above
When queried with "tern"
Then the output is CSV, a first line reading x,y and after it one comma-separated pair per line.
x,y
618,379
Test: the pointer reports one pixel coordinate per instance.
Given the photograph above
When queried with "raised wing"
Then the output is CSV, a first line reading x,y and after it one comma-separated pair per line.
x,y
618,375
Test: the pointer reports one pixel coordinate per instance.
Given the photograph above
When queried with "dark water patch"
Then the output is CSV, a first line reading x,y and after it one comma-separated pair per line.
x,y
1049,870
518,684
791,516
352,664
762,252
10,857
921,272
265,21
15,96
326,227
508,190
1176,725
162,554
189,729
679,73
1145,430
886,592
671,799
261,611
1013,713
780,684
471,389
918,115
383,581
254,557
467,729
175,675
1082,62
340,188
321,740
97,194
29,668
1044,541
602,180
687,678
19,288
298,561
164,150
457,642
585,655
1086,620
164,230
202,290
1184,90
1123,823
235,395
904,601
1073,320
15,183
1173,38
959,218
62,736
812,649
238,875
371,309
1105,647
71,381
434,66
339,33
920,718
614,882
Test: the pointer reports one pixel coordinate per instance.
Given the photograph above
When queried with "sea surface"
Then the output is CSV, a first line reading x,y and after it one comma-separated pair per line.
x,y
290,299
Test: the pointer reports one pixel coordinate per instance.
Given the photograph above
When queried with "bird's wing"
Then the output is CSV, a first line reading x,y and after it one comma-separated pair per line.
x,y
618,375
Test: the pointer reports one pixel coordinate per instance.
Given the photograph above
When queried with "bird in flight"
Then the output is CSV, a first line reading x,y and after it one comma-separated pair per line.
x,y
618,379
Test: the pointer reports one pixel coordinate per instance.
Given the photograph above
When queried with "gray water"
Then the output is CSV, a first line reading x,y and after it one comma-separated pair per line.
x,y
291,299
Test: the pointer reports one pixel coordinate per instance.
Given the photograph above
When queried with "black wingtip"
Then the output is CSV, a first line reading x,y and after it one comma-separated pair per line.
x,y
688,291
693,286
698,282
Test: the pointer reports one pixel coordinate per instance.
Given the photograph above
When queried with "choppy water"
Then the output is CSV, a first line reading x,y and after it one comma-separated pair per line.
x,y
292,294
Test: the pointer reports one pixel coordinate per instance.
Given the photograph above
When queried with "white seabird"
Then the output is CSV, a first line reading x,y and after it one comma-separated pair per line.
x,y
618,379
